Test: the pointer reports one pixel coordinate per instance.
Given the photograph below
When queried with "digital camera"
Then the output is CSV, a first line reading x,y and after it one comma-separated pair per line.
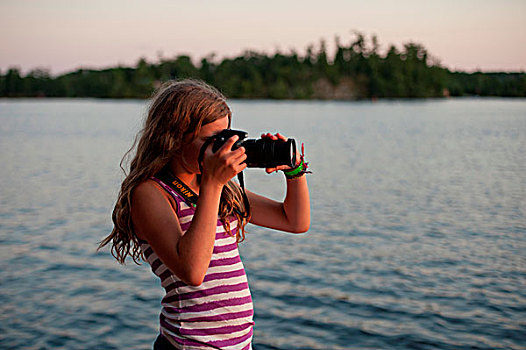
x,y
261,153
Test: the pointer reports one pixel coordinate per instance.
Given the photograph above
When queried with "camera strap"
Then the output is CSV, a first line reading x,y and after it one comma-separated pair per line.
x,y
189,196
241,180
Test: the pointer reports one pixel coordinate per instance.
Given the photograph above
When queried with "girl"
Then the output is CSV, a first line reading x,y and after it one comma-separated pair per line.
x,y
189,233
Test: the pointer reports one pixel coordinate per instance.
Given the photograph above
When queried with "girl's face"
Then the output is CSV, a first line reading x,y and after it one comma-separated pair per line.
x,y
190,150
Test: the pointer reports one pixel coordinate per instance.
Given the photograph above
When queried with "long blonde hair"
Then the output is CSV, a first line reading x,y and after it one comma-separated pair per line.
x,y
177,109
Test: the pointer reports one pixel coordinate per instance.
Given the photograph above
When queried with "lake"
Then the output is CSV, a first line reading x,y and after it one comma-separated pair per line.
x,y
417,241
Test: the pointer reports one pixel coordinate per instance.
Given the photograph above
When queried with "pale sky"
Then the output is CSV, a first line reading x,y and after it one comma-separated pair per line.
x,y
63,35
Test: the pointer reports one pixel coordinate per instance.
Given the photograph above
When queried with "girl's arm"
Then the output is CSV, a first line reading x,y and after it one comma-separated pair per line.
x,y
293,214
186,255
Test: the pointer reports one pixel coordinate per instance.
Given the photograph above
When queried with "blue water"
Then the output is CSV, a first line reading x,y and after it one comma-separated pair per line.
x,y
418,234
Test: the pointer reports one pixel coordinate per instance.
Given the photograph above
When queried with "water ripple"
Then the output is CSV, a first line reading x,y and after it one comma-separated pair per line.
x,y
417,239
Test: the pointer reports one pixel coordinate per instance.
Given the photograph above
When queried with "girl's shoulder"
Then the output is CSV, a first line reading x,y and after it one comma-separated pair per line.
x,y
150,189
152,210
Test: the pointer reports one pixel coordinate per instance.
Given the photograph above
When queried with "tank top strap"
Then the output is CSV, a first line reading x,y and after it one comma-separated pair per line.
x,y
179,200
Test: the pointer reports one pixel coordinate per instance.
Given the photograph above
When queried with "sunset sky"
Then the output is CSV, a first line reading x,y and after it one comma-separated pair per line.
x,y
62,35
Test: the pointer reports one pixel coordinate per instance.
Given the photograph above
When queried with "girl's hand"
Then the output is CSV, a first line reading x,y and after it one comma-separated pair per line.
x,y
224,164
278,136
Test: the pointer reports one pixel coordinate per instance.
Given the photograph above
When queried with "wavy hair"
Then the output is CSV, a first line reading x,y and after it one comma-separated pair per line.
x,y
177,109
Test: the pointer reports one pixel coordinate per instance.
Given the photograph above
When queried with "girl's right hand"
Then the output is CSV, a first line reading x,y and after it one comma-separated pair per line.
x,y
221,166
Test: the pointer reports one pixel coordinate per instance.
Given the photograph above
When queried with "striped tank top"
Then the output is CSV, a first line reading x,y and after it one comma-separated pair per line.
x,y
218,313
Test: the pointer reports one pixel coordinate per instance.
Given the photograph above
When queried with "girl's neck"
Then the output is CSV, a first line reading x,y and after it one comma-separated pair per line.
x,y
189,178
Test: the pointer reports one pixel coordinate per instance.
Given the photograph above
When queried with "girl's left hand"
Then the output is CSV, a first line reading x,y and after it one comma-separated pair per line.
x,y
278,136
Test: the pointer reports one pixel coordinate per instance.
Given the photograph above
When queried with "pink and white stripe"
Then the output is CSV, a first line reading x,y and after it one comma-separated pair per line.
x,y
218,314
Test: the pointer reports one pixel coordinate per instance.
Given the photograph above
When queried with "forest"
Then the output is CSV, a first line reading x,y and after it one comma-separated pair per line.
x,y
358,70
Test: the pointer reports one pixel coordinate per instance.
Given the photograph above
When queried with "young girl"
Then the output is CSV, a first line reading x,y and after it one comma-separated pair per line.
x,y
189,234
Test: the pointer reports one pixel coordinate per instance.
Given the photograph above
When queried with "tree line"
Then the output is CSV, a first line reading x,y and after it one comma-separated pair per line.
x,y
355,71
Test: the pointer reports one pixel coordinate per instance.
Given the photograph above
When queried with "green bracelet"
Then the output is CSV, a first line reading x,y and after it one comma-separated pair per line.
x,y
295,171
300,170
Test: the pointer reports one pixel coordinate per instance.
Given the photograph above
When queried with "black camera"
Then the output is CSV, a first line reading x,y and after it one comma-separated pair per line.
x,y
261,153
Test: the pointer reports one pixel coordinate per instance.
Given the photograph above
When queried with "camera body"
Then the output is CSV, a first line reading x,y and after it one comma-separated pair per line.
x,y
261,153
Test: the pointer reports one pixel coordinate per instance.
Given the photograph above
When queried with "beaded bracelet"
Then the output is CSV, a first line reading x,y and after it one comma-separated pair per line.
x,y
300,170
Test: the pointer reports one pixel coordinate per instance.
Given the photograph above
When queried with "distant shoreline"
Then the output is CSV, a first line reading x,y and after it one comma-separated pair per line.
x,y
384,99
357,72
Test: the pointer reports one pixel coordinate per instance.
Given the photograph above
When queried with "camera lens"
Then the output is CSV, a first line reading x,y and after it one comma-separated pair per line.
x,y
266,153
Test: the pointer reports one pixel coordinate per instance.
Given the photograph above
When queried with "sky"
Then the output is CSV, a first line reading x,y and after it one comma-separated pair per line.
x,y
64,35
